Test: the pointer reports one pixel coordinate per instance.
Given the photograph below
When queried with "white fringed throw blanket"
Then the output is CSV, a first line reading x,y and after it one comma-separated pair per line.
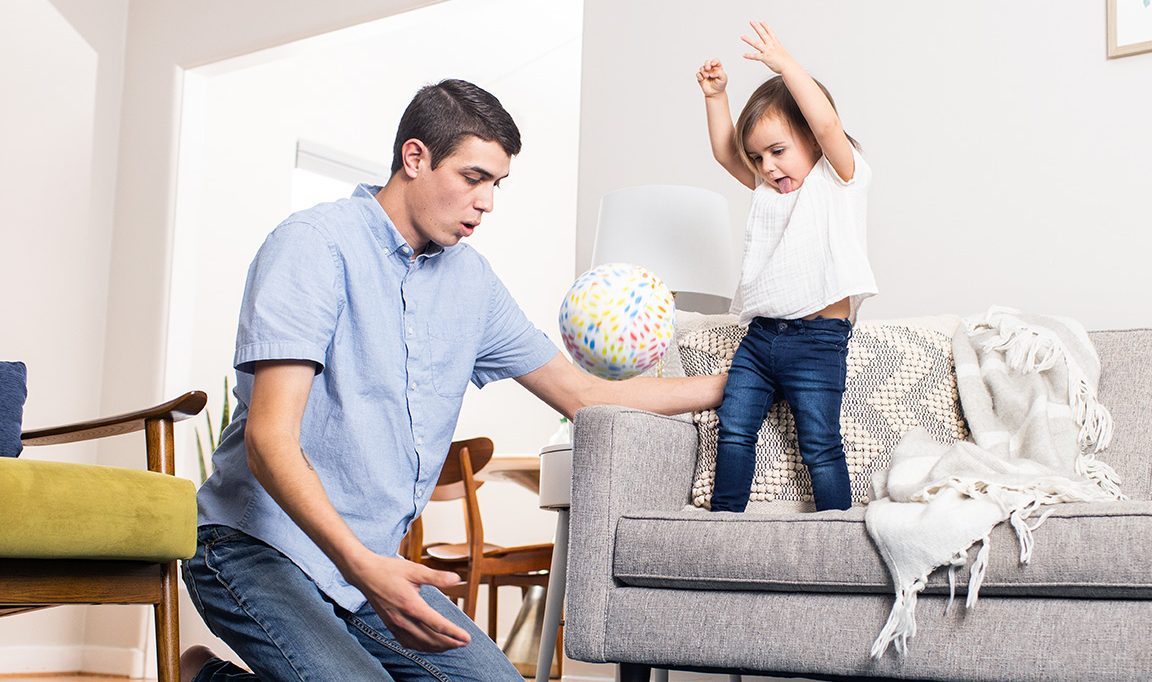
x,y
1027,385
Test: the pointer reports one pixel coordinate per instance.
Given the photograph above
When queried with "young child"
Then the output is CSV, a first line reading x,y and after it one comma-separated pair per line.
x,y
805,268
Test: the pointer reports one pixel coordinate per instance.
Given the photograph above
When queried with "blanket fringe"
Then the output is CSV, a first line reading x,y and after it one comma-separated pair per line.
x,y
1094,419
1026,349
1101,474
901,625
957,562
979,570
1019,520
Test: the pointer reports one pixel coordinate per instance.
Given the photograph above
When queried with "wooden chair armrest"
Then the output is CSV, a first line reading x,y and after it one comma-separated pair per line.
x,y
187,405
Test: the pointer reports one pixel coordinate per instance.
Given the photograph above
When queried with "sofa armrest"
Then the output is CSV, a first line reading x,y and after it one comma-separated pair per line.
x,y
623,460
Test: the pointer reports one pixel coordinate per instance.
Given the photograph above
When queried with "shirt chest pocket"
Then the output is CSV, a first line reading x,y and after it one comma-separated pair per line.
x,y
452,346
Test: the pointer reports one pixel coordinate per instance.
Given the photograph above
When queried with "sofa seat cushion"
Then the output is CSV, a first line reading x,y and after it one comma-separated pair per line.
x,y
54,510
1097,550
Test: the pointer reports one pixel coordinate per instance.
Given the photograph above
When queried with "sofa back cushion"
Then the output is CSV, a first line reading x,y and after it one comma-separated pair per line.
x,y
1126,390
900,375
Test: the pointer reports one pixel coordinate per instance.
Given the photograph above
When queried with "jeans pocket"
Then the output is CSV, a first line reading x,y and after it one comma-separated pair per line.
x,y
831,338
216,534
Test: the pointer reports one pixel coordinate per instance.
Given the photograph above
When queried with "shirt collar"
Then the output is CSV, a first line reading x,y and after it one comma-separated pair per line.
x,y
383,228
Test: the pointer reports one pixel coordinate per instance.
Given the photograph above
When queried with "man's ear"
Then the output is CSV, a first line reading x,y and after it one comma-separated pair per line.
x,y
414,157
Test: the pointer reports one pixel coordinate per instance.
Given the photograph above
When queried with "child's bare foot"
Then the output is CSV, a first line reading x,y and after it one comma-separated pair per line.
x,y
192,660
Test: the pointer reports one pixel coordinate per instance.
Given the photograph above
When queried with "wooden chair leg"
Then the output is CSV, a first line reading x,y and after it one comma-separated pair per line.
x,y
168,626
493,604
473,594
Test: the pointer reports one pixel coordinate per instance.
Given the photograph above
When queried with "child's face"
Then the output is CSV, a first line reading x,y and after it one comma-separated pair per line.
x,y
781,157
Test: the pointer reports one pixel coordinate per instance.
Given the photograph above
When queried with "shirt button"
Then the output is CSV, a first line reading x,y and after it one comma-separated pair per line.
x,y
409,331
419,441
413,387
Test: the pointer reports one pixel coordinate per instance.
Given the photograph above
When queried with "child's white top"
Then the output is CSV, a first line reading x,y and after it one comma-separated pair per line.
x,y
807,249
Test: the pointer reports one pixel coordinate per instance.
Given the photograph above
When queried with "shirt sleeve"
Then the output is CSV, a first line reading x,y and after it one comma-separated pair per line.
x,y
292,299
511,345
861,175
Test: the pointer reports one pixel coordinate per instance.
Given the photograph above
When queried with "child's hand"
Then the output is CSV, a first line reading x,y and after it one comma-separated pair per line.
x,y
768,48
712,78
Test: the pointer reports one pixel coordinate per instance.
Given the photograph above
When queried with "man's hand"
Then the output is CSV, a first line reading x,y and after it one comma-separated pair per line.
x,y
712,78
767,48
392,586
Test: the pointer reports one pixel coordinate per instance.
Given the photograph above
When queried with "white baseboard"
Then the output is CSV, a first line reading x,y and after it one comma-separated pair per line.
x,y
108,660
68,659
40,659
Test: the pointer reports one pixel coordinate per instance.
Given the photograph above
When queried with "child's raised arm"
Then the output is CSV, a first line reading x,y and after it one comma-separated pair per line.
x,y
721,132
818,111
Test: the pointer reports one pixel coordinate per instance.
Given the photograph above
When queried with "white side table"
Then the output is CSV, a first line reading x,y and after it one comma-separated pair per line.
x,y
555,494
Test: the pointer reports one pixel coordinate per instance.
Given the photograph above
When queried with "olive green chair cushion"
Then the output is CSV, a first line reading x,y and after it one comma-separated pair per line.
x,y
52,510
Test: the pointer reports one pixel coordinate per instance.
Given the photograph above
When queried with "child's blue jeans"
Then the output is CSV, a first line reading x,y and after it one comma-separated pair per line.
x,y
273,615
805,363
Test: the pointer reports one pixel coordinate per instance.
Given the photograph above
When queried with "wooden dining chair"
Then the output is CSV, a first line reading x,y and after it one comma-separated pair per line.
x,y
475,561
87,534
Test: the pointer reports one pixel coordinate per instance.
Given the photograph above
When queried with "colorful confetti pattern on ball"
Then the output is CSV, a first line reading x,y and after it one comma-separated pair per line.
x,y
617,320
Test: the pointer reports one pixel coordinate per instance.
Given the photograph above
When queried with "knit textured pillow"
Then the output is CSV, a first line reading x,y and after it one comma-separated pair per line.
x,y
899,376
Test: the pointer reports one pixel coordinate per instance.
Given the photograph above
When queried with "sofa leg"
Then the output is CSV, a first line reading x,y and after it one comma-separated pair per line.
x,y
632,672
659,675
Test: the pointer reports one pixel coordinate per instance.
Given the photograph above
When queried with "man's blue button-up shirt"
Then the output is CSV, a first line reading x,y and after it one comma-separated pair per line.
x,y
395,340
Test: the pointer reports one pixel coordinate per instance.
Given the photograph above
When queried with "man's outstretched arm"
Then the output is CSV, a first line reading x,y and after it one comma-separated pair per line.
x,y
567,389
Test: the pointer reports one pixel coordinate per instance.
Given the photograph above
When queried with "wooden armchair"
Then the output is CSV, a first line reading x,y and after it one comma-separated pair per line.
x,y
85,534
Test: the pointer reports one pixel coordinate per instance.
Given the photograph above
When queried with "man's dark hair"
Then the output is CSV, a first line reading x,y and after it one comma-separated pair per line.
x,y
441,115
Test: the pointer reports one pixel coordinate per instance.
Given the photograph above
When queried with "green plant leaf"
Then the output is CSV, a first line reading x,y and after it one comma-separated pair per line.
x,y
211,432
226,415
200,459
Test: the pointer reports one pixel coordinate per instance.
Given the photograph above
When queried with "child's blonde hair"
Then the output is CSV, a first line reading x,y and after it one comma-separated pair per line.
x,y
773,98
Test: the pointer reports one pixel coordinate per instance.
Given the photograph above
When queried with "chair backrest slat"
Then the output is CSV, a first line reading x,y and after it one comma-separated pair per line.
x,y
479,454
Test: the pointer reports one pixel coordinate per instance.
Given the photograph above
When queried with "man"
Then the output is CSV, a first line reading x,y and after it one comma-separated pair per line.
x,y
363,321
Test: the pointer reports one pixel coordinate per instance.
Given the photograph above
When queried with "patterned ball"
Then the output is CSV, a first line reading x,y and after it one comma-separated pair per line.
x,y
617,320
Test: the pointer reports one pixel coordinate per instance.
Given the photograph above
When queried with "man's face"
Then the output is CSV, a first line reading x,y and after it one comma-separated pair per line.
x,y
447,203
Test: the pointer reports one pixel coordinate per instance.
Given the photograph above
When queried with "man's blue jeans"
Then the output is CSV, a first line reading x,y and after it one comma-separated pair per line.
x,y
273,615
805,363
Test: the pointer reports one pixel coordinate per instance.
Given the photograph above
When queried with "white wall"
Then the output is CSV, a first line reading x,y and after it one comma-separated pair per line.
x,y
61,69
1011,158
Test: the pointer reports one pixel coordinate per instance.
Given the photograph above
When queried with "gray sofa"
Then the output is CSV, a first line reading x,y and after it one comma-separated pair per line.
x,y
652,582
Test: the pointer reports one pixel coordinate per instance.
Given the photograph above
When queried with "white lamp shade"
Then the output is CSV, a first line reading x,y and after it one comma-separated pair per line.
x,y
680,233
